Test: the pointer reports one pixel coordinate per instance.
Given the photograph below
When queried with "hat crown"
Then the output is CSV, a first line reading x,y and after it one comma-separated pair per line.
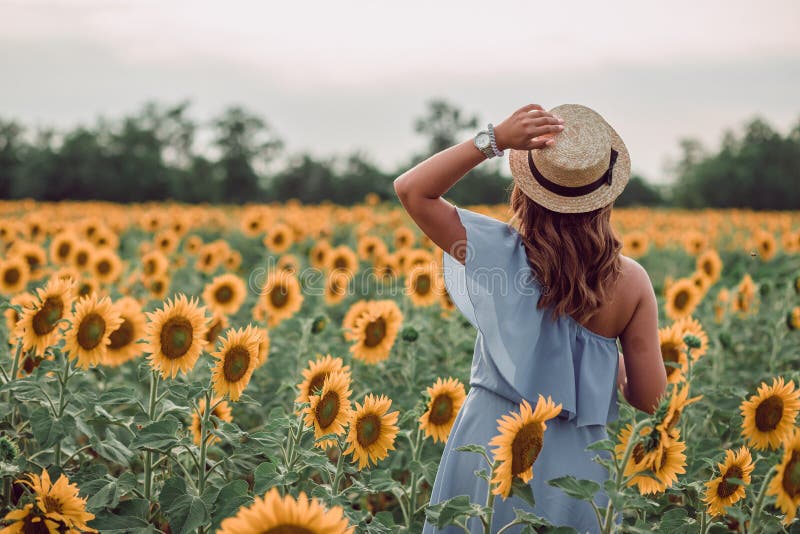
x,y
582,149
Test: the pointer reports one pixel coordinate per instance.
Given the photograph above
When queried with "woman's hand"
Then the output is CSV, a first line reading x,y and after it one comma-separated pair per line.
x,y
527,128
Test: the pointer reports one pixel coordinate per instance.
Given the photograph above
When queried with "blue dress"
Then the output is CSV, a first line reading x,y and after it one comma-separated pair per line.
x,y
521,352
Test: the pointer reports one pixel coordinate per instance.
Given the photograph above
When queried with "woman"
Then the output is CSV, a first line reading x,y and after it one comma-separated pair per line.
x,y
550,295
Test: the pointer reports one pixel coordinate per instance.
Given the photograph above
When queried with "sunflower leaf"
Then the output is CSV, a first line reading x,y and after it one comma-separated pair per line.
x,y
449,511
522,490
159,435
576,488
529,518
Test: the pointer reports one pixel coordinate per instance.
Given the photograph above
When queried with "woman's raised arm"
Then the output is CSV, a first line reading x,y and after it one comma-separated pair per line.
x,y
420,189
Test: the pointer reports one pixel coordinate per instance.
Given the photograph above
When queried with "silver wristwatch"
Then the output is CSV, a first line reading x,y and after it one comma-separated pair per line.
x,y
483,142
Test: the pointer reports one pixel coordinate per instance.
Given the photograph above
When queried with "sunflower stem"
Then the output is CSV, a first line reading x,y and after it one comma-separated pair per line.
x,y
760,499
487,521
148,456
620,474
412,500
14,369
62,403
201,486
339,464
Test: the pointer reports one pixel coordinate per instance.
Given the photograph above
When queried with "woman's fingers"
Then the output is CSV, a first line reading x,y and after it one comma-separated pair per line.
x,y
541,130
539,142
531,107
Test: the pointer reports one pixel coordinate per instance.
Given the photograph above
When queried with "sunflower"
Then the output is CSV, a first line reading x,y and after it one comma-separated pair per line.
x,y
86,286
793,318
355,311
370,247
33,255
281,297
106,266
446,398
175,335
315,374
342,260
695,242
690,326
279,239
23,300
39,323
372,430
263,344
216,324
330,411
253,222
62,247
192,244
289,263
720,493
57,504
124,344
769,415
318,255
158,286
236,361
648,450
233,261
701,282
785,485
635,244
221,411
336,283
672,351
678,401
682,298
273,514
154,263
766,245
105,238
721,304
208,258
14,275
415,257
82,255
92,323
403,237
166,241
225,294
744,298
519,442
423,285
710,265
375,331
665,465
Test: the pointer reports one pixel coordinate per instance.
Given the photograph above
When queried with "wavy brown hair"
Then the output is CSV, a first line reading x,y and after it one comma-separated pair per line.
x,y
574,256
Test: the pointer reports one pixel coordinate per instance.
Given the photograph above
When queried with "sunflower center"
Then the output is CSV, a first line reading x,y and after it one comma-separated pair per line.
x,y
11,276
122,336
769,413
214,331
91,330
327,409
44,321
63,250
725,488
33,262
237,360
176,337
278,239
670,353
150,267
375,332
526,447
368,430
316,383
441,410
81,258
85,288
340,263
223,294
288,529
279,296
791,476
423,284
707,268
52,504
681,299
103,267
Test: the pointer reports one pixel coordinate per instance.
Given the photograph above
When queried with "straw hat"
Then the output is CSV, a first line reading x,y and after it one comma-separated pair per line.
x,y
585,169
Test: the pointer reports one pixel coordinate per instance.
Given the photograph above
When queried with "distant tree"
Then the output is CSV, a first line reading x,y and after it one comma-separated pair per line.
x,y
246,143
638,192
12,148
760,170
443,125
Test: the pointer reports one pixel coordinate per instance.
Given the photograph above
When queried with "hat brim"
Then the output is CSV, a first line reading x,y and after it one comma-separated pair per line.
x,y
604,195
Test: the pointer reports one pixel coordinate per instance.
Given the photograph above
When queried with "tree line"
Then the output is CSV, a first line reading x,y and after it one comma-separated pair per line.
x,y
153,155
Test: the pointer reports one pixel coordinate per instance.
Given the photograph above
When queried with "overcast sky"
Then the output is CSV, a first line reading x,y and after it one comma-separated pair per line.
x,y
333,77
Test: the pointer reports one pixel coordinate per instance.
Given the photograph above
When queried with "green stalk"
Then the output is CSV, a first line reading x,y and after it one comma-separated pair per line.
x,y
416,450
487,521
15,363
201,486
62,402
760,499
339,465
148,456
634,439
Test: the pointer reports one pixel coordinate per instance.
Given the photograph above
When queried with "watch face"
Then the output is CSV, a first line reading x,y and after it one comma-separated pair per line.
x,y
482,140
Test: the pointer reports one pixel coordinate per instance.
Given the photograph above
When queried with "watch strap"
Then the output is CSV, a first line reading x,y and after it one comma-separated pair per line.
x,y
497,152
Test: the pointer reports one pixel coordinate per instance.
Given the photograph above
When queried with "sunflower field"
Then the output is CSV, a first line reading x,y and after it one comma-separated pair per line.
x,y
291,368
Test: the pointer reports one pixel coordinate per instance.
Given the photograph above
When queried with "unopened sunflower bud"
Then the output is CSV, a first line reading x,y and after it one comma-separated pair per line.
x,y
8,450
244,437
409,334
319,324
692,341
